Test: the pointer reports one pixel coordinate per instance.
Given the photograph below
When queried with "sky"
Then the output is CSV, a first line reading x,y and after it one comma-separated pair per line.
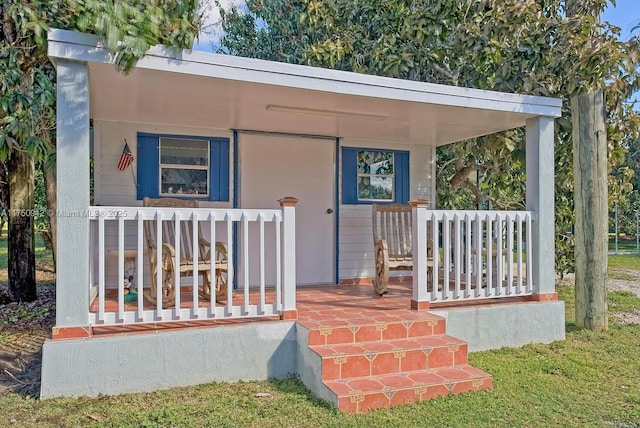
x,y
212,17
625,14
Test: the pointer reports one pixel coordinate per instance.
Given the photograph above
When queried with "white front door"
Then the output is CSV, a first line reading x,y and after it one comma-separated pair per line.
x,y
273,166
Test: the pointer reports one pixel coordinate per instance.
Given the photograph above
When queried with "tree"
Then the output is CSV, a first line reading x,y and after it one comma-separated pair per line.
x,y
27,101
529,47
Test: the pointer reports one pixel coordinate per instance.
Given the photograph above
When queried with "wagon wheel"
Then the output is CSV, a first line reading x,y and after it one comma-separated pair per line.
x,y
220,274
221,284
381,279
168,282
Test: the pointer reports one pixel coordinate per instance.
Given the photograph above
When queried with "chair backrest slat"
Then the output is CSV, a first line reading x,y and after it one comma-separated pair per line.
x,y
392,222
168,226
186,239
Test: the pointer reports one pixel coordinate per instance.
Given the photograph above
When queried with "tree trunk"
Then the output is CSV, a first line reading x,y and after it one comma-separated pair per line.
x,y
21,243
590,197
4,196
52,205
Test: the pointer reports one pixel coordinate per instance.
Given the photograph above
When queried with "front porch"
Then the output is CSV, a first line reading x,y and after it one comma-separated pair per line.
x,y
350,346
480,256
316,305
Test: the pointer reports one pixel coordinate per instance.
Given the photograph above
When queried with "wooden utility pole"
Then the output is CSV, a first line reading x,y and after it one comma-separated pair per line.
x,y
590,199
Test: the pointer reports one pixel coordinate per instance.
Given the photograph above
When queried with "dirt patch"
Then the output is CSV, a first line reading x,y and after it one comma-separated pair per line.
x,y
632,285
23,329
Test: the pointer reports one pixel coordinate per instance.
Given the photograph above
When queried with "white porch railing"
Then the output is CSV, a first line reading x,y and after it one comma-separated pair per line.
x,y
119,250
476,254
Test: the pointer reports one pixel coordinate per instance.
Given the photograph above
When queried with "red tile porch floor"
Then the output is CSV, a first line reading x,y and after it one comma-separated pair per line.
x,y
372,351
324,304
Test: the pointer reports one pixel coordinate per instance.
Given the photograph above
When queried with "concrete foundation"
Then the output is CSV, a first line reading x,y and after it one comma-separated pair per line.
x,y
257,351
496,326
149,362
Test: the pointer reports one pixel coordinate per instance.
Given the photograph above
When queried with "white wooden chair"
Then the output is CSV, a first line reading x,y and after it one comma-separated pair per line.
x,y
392,243
166,261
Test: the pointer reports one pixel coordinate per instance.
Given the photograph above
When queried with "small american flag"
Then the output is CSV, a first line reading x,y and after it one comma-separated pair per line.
x,y
126,158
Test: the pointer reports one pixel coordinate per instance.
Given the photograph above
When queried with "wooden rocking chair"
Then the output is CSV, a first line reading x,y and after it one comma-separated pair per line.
x,y
392,243
171,273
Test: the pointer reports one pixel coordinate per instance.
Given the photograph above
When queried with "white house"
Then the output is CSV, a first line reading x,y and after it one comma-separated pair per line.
x,y
238,135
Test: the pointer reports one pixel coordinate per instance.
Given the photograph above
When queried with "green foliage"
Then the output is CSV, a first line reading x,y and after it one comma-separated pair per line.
x,y
128,29
528,47
23,313
41,217
27,103
624,182
628,208
27,77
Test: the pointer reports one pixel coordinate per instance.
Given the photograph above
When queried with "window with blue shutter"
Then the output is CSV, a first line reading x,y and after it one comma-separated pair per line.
x,y
374,176
183,167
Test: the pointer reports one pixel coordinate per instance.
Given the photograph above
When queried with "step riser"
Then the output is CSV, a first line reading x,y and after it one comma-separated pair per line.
x,y
364,402
375,332
359,365
396,361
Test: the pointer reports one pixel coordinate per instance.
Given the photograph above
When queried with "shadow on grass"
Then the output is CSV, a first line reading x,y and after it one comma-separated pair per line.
x,y
571,327
293,386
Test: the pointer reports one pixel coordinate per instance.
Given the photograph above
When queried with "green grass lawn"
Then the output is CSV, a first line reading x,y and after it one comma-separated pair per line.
x,y
624,244
42,253
589,379
624,261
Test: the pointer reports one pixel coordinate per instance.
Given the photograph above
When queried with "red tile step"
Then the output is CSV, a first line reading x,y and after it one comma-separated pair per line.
x,y
360,362
358,330
349,360
362,394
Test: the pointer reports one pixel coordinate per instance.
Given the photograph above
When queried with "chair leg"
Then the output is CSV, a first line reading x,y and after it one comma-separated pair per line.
x,y
381,280
221,284
217,283
168,286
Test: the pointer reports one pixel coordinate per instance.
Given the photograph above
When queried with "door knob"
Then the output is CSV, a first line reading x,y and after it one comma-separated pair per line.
x,y
329,211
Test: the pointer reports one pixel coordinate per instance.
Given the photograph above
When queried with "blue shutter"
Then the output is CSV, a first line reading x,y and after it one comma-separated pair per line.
x,y
148,165
401,177
349,175
219,175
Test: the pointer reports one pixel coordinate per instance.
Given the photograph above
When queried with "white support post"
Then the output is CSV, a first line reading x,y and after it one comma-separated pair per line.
x,y
540,199
72,264
288,257
420,297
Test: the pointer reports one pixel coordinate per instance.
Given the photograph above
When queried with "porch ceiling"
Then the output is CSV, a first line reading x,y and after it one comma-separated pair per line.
x,y
208,90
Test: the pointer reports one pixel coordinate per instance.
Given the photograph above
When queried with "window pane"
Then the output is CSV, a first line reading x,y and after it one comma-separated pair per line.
x,y
184,152
375,188
375,162
183,181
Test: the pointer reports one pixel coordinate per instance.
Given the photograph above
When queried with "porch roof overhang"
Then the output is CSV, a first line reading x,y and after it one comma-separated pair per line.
x,y
206,90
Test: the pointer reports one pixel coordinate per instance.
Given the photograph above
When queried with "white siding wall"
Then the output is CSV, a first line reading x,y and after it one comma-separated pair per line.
x,y
113,187
116,188
356,237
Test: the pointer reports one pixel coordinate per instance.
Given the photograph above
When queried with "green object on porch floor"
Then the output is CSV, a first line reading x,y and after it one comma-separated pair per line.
x,y
131,297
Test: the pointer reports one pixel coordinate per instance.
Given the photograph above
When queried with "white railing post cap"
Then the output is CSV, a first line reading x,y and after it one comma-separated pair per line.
x,y
288,201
